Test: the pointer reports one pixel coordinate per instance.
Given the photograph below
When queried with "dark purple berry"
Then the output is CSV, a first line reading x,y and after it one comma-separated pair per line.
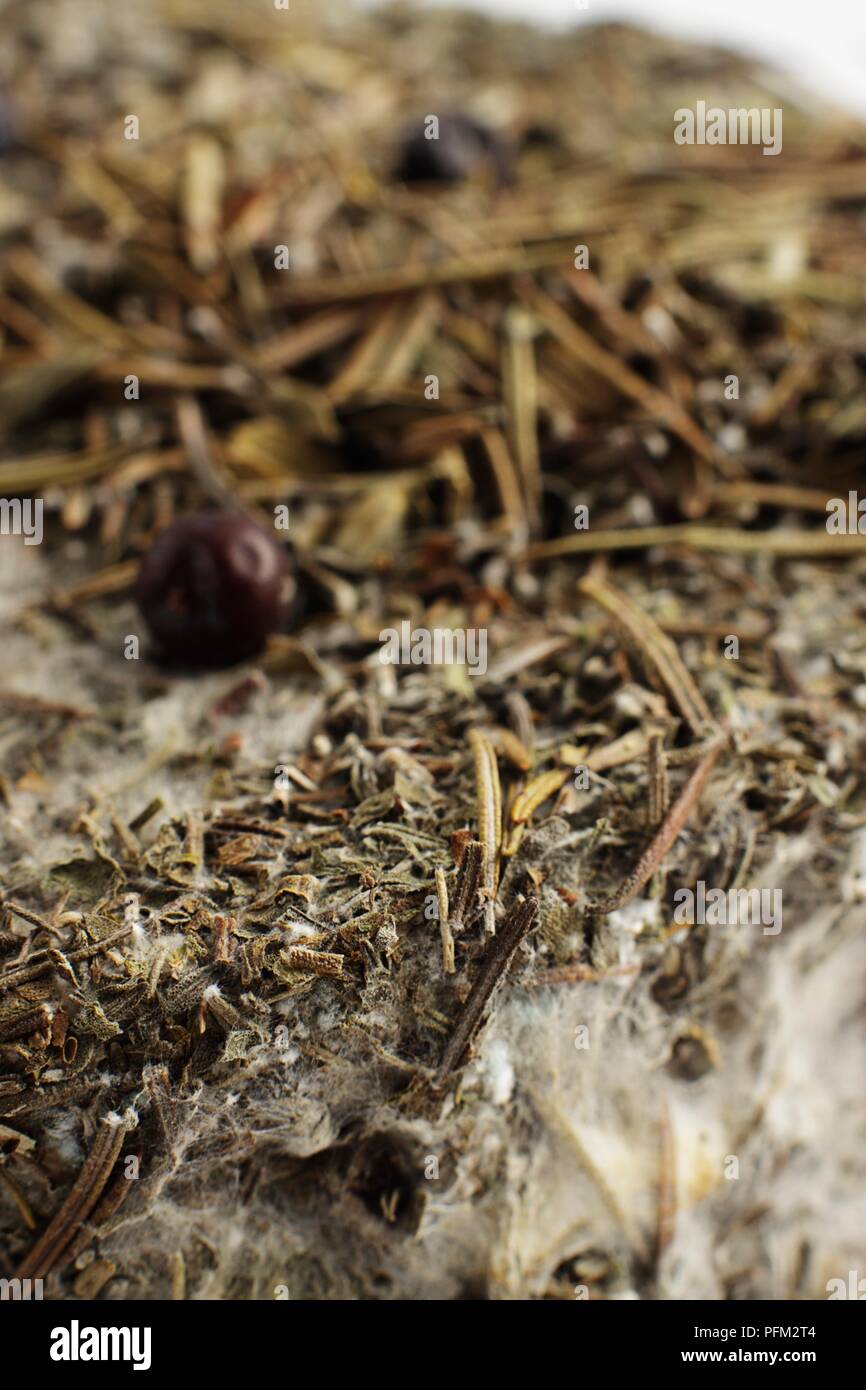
x,y
212,587
461,149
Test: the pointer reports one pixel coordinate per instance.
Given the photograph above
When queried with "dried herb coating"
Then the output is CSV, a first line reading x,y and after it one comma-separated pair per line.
x,y
212,587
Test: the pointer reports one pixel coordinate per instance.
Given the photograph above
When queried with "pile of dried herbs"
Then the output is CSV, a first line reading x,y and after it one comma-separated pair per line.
x,y
324,976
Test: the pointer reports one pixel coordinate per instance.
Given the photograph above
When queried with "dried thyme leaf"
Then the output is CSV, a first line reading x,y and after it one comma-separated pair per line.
x,y
91,1019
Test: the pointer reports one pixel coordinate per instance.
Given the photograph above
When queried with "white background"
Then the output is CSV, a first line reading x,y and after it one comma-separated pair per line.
x,y
822,42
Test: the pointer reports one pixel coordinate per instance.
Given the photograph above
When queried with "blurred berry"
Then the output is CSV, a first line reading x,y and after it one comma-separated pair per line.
x,y
212,587
461,150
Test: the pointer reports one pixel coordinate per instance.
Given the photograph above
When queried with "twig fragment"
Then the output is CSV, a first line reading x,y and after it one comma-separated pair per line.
x,y
47,960
444,924
783,540
468,879
33,918
657,650
500,953
667,833
86,1191
489,801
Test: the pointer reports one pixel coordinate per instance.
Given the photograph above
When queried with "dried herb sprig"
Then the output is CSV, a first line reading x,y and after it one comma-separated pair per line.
x,y
517,924
489,801
86,1192
667,833
657,650
49,959
782,541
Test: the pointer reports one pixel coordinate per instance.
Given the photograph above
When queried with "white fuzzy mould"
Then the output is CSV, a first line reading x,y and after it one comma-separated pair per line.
x,y
499,1072
299,931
